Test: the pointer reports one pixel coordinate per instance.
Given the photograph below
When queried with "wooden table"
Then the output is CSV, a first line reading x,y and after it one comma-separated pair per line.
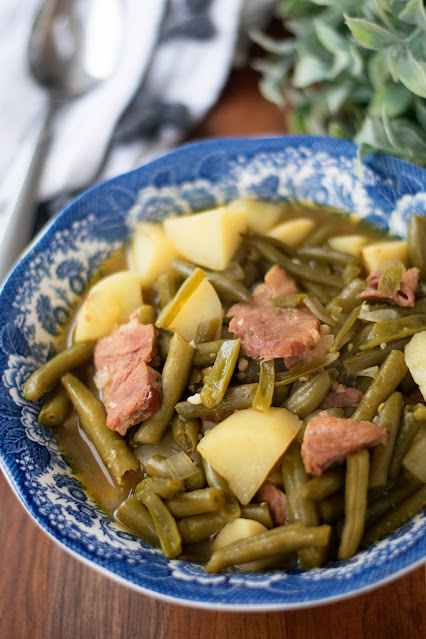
x,y
47,594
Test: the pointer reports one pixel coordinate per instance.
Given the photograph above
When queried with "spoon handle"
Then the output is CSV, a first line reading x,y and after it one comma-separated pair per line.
x,y
22,214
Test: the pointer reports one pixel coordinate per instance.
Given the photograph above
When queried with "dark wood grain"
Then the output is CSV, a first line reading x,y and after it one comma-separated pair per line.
x,y
45,593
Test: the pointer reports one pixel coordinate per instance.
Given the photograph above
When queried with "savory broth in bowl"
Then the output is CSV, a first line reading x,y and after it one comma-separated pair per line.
x,y
250,392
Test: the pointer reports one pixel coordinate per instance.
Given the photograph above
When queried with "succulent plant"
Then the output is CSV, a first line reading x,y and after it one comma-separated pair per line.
x,y
354,69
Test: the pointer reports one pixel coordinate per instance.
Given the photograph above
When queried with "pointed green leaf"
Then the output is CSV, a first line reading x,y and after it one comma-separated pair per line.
x,y
420,107
377,69
412,73
309,70
393,98
370,35
329,38
414,13
272,45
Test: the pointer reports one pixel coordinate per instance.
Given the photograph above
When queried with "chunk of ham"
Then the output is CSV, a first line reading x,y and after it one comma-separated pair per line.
x,y
277,503
322,348
131,387
340,396
404,297
328,440
270,333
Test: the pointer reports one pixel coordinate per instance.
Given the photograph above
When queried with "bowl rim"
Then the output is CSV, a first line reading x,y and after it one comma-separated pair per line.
x,y
384,162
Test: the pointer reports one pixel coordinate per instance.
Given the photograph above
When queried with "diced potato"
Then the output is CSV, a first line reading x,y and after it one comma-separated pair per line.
x,y
244,447
203,305
383,255
261,214
415,358
293,232
351,244
151,252
241,529
415,460
110,302
210,238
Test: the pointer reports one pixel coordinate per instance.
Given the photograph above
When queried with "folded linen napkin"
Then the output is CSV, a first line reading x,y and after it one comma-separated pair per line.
x,y
176,56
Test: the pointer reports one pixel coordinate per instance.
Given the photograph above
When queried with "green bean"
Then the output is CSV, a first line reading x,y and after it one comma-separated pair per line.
x,y
300,370
307,397
146,314
155,467
390,330
111,447
163,343
167,285
173,308
327,255
396,517
288,301
265,390
414,461
206,352
174,378
51,372
356,484
397,489
165,488
294,269
372,357
390,279
407,431
319,488
236,398
136,517
195,502
214,479
323,292
301,510
280,395
258,512
218,380
200,527
345,328
208,330
282,539
56,407
347,298
320,235
185,432
225,286
165,524
390,374
389,417
350,272
416,243
332,508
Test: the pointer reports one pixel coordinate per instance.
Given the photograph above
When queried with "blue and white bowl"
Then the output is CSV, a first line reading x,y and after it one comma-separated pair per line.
x,y
41,294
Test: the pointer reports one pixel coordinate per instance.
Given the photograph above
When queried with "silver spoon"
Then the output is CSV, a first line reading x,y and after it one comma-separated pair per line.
x,y
73,46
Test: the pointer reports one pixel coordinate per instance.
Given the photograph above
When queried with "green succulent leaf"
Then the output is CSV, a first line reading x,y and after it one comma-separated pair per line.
x,y
370,35
394,99
414,13
412,73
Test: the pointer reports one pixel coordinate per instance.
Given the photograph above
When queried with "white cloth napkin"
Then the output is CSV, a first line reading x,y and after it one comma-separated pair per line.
x,y
176,56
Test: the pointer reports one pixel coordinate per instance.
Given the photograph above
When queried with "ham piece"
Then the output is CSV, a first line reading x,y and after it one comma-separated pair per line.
x,y
277,503
270,333
340,396
131,388
404,297
328,440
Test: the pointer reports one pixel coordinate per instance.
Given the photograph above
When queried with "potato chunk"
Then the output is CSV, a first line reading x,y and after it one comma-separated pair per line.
x,y
244,447
203,305
293,232
351,244
109,303
261,214
210,238
415,358
383,255
151,252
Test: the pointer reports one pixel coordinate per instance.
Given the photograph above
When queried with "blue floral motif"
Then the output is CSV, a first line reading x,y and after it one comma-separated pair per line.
x,y
44,288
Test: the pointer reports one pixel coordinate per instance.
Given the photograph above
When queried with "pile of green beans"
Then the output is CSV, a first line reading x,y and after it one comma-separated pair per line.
x,y
330,517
